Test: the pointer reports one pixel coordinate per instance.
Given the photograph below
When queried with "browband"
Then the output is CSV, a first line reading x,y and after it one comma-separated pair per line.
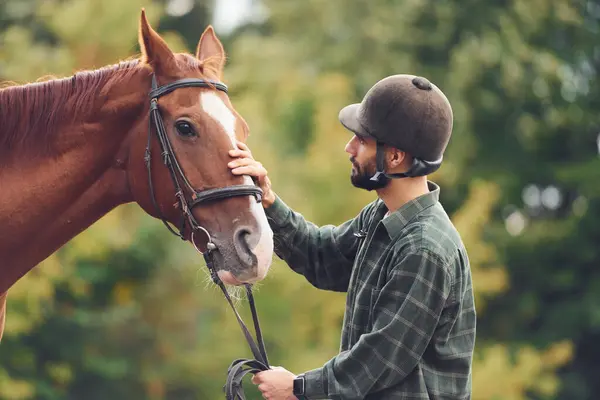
x,y
156,92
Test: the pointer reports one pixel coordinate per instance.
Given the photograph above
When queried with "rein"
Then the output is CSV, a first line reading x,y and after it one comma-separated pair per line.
x,y
240,367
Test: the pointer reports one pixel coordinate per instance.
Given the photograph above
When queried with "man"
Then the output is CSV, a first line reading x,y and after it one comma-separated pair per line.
x,y
409,326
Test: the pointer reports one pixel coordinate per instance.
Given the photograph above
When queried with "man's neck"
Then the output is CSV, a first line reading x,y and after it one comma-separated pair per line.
x,y
400,191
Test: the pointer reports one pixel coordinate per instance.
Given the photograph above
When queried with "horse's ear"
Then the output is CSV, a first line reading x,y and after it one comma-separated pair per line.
x,y
210,50
155,50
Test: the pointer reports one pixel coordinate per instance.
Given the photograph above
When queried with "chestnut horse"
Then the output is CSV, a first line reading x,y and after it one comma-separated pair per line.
x,y
73,149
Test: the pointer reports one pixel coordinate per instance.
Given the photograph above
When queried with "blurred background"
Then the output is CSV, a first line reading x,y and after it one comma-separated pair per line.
x,y
126,310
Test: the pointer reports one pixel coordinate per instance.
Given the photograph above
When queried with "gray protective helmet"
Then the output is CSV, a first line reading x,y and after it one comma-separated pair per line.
x,y
406,112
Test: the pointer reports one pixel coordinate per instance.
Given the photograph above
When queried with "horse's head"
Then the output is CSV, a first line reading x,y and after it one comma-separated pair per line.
x,y
197,124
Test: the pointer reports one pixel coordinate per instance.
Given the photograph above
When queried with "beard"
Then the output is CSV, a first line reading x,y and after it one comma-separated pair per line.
x,y
361,176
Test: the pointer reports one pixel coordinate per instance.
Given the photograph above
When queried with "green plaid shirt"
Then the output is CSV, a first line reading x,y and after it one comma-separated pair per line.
x,y
409,325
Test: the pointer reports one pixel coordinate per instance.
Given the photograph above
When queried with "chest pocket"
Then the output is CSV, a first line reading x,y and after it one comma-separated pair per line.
x,y
363,313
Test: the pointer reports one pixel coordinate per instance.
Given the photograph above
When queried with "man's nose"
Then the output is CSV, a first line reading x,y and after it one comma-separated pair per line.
x,y
349,147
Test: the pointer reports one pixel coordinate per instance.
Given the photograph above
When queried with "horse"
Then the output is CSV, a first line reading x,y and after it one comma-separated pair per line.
x,y
155,130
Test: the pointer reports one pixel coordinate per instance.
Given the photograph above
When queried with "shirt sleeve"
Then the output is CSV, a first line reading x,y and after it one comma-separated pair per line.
x,y
324,255
405,315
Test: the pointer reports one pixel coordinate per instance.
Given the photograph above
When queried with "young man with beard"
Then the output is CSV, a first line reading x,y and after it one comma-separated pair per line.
x,y
409,326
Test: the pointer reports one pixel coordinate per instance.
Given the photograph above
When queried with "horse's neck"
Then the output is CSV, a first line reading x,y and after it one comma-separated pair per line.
x,y
46,201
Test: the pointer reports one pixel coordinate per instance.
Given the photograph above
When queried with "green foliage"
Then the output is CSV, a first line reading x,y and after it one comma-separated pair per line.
x,y
297,119
127,311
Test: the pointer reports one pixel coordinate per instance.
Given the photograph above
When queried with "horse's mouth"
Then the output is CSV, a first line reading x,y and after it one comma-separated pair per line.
x,y
228,278
229,272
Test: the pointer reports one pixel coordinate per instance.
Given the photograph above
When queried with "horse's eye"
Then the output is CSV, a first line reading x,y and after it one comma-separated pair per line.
x,y
184,128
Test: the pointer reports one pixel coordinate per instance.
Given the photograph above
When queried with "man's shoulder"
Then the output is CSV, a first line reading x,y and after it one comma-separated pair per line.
x,y
432,232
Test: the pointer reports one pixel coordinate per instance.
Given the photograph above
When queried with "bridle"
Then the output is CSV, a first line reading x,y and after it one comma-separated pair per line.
x,y
240,367
177,175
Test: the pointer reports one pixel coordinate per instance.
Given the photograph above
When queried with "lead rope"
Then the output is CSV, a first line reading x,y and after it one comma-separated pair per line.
x,y
240,367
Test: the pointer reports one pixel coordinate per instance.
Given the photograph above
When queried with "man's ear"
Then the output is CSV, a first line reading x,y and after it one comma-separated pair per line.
x,y
395,158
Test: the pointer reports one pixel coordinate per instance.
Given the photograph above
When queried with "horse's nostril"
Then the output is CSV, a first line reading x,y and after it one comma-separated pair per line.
x,y
241,235
242,248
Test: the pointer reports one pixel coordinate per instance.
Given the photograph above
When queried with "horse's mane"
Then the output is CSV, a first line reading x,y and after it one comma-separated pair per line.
x,y
57,101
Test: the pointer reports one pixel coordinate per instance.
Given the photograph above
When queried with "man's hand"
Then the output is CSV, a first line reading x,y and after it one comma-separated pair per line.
x,y
244,164
275,384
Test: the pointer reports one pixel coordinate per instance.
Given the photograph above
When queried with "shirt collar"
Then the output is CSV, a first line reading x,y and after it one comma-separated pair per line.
x,y
398,219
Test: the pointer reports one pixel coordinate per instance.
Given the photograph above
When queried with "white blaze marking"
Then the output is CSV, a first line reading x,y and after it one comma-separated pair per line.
x,y
264,248
214,106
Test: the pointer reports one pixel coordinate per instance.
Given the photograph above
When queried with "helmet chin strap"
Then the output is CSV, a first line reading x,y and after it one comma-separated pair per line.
x,y
419,166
